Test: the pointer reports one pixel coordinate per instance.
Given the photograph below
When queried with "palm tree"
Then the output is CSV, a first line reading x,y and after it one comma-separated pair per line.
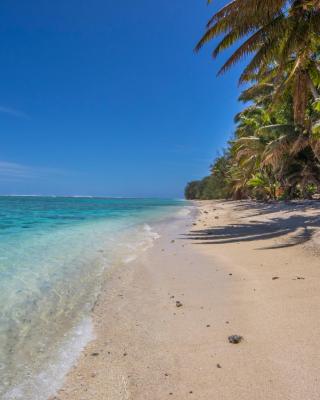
x,y
277,138
283,37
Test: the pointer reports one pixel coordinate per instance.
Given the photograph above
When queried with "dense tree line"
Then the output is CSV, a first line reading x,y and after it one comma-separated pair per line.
x,y
275,150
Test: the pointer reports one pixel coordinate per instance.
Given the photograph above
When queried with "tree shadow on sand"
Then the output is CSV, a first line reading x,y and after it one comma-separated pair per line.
x,y
271,207
289,231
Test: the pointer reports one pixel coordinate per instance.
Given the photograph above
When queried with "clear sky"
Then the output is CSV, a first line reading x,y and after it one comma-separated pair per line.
x,y
106,97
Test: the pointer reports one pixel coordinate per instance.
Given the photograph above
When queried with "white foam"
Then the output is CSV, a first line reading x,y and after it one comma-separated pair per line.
x,y
185,211
46,383
147,240
154,235
129,259
147,227
120,243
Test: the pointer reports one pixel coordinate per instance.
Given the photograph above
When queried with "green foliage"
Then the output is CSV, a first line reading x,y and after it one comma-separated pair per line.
x,y
205,189
316,105
275,152
263,186
192,190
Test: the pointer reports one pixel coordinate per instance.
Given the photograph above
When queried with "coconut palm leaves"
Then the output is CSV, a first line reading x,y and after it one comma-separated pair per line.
x,y
268,157
276,146
283,39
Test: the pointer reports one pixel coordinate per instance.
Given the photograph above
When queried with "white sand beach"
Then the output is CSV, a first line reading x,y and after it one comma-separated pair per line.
x,y
244,268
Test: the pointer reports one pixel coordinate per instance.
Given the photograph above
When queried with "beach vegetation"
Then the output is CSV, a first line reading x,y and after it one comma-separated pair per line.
x,y
275,150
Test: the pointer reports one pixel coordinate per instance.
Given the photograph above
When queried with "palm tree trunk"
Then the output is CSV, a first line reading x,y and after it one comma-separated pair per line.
x,y
300,98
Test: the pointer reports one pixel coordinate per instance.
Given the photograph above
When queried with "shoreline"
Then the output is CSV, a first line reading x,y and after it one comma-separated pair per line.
x,y
245,267
52,329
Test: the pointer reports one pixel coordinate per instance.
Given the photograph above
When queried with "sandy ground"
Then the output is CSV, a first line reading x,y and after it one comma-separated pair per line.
x,y
241,268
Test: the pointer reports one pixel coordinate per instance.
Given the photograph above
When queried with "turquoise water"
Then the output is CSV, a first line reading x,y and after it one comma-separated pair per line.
x,y
53,257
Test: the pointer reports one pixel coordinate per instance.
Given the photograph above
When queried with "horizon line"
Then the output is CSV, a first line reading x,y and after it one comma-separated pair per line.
x,y
92,196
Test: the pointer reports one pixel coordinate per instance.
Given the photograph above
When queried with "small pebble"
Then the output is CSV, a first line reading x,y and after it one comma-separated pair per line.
x,y
235,339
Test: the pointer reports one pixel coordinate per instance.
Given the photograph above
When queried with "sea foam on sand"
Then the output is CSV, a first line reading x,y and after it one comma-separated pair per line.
x,y
46,383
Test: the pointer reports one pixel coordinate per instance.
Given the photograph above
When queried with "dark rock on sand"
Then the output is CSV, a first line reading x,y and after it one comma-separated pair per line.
x,y
178,303
235,339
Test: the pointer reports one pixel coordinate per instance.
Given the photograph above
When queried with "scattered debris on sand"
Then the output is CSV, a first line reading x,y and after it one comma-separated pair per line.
x,y
235,339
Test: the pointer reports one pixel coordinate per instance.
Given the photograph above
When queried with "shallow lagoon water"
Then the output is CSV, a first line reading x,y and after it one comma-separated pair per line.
x,y
53,257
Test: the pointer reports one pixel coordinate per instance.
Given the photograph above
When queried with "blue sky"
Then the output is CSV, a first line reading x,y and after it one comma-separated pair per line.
x,y
107,97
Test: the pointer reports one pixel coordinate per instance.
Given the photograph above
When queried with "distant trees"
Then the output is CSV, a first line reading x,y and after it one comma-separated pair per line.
x,y
204,189
275,151
192,190
214,186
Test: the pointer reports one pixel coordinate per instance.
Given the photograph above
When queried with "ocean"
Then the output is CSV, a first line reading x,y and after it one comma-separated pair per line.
x,y
54,255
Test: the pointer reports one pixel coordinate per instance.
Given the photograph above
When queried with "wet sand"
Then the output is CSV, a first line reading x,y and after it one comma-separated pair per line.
x,y
239,268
